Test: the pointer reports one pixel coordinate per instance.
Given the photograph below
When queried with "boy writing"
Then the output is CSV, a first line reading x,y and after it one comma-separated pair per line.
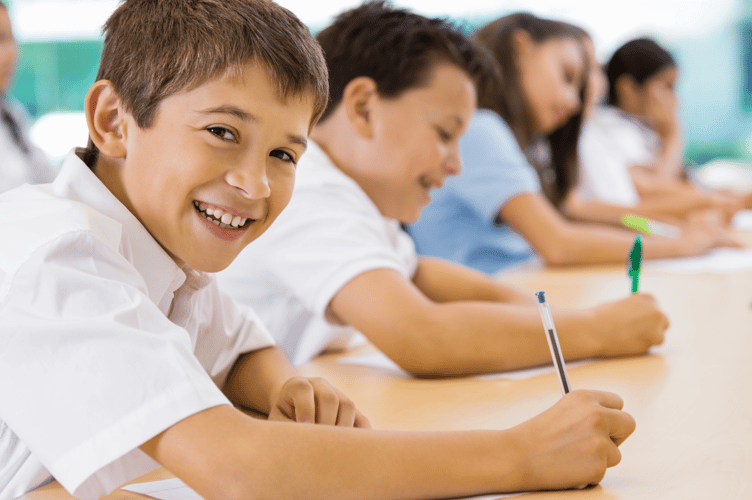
x,y
123,352
401,96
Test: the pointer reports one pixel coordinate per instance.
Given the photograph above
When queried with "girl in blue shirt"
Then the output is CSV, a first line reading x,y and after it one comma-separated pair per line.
x,y
502,210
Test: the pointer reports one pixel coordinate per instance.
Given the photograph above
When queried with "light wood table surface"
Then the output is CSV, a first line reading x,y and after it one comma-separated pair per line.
x,y
691,397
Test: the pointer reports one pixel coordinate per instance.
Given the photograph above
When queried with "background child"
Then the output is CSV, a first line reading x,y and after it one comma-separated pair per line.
x,y
20,160
117,341
632,152
496,214
401,95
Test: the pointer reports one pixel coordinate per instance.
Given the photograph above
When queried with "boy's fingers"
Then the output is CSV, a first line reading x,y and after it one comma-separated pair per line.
x,y
347,411
613,457
300,395
622,426
361,421
608,399
327,402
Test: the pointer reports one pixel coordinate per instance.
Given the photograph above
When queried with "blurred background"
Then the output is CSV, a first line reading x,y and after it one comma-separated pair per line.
x,y
60,43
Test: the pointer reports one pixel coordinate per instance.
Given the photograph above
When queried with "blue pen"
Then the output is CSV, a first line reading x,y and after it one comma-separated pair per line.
x,y
553,341
635,263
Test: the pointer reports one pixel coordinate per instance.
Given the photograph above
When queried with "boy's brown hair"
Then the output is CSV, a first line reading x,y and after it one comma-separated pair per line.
x,y
157,48
396,48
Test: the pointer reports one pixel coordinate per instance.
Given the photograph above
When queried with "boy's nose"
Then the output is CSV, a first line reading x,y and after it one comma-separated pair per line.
x,y
251,180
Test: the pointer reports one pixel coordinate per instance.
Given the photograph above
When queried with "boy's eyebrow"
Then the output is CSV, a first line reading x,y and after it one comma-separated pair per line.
x,y
249,117
230,110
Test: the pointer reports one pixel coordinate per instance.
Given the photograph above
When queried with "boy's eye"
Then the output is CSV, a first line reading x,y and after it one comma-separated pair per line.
x,y
283,155
222,133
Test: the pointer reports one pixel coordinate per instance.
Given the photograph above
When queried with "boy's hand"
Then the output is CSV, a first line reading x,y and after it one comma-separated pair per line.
x,y
314,400
571,444
629,326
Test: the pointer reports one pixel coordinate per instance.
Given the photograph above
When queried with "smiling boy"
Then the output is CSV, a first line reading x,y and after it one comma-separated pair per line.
x,y
402,93
107,313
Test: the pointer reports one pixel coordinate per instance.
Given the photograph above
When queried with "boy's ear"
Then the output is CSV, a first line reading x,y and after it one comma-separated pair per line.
x,y
358,101
105,117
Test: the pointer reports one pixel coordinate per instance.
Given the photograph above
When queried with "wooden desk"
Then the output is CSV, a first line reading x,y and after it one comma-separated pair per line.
x,y
692,398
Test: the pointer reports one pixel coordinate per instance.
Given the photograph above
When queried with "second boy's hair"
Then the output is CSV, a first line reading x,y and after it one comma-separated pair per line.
x,y
640,58
395,48
157,48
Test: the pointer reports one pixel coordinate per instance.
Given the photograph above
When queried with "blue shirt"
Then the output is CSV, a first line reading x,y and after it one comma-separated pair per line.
x,y
459,223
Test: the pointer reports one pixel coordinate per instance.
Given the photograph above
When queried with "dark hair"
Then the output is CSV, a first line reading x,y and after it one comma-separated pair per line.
x,y
396,48
505,96
640,58
156,48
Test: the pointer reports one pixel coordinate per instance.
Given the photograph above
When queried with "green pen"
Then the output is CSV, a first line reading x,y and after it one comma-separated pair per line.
x,y
635,262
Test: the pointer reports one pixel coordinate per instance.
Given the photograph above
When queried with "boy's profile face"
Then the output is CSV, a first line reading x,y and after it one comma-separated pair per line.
x,y
215,168
416,142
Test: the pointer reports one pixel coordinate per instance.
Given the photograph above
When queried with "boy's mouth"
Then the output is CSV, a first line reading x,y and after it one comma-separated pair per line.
x,y
221,218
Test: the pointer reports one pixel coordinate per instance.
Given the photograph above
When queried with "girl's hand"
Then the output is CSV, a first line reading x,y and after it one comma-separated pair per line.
x,y
314,400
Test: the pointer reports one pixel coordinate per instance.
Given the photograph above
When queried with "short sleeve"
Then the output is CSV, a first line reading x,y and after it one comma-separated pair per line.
x,y
235,330
90,367
494,167
325,237
604,168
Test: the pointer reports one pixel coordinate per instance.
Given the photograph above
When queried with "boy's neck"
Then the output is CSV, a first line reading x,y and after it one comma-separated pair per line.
x,y
335,138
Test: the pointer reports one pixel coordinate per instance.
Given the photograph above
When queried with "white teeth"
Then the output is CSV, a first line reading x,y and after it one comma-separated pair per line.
x,y
219,217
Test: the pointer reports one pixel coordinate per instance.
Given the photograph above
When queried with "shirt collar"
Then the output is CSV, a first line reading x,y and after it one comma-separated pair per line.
x,y
161,274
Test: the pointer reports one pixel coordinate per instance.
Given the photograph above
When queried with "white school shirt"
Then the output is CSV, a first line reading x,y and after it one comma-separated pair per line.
x,y
104,341
610,143
16,166
330,233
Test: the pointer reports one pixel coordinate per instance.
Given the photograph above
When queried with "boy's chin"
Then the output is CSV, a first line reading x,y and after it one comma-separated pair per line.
x,y
214,264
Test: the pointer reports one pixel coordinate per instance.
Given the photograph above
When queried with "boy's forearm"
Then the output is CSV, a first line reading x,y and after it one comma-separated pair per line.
x,y
231,456
443,281
466,338
257,377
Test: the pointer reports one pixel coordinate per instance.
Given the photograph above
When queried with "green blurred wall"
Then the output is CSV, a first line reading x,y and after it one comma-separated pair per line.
x,y
55,76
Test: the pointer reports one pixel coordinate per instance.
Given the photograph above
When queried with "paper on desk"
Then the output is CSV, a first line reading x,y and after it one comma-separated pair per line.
x,y
380,360
175,489
169,489
717,260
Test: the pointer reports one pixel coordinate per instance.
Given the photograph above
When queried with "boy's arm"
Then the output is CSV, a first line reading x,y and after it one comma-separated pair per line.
x,y
225,455
444,281
429,338
265,381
